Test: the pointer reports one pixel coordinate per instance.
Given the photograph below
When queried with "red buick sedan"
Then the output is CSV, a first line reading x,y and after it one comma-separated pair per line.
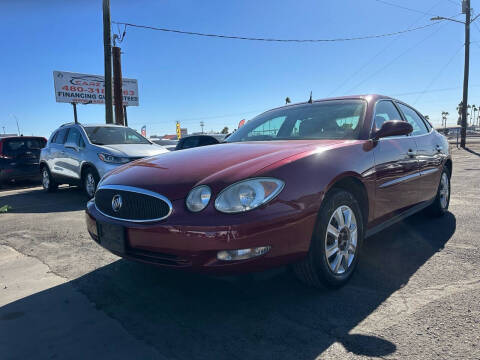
x,y
302,184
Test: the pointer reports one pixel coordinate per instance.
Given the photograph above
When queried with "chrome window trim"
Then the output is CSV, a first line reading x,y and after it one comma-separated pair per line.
x,y
400,179
138,191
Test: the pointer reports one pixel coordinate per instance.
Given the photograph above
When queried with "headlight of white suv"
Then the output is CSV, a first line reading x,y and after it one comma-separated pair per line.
x,y
248,194
109,158
198,198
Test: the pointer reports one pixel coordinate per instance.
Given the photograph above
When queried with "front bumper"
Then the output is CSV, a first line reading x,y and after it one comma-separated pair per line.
x,y
195,247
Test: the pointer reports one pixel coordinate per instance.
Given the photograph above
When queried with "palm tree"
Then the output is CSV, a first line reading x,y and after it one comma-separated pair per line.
x,y
444,118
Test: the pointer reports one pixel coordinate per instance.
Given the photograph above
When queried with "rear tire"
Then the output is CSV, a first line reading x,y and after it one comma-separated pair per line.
x,y
341,239
440,205
90,181
48,183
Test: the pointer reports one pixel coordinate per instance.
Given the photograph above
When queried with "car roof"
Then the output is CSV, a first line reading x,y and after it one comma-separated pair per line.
x,y
21,137
367,97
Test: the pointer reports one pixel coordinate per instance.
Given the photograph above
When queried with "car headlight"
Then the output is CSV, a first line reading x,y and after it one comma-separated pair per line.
x,y
248,194
198,198
109,158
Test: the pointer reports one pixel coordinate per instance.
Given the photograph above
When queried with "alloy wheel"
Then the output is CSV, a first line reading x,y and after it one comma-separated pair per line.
x,y
444,191
341,240
90,184
45,179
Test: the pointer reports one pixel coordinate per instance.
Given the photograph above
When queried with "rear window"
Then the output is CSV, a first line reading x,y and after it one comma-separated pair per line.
x,y
15,146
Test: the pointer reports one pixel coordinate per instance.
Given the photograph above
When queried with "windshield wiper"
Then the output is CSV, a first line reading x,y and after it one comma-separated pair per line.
x,y
97,143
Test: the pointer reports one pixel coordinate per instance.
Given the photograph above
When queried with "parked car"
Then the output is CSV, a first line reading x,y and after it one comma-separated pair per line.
x,y
196,141
19,158
168,144
82,154
302,184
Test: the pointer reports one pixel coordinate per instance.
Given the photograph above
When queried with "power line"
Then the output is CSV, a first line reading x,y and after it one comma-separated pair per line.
x,y
431,91
369,61
404,7
435,78
369,77
235,37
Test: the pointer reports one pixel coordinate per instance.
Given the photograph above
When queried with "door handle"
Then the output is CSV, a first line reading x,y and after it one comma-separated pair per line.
x,y
411,153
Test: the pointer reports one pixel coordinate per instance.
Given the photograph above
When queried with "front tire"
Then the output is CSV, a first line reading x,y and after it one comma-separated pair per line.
x,y
336,242
48,183
440,205
90,182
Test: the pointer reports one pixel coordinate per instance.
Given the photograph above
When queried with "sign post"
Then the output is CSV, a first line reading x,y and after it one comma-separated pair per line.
x,y
75,112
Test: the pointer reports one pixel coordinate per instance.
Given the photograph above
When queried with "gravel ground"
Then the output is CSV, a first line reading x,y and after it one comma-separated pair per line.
x,y
415,294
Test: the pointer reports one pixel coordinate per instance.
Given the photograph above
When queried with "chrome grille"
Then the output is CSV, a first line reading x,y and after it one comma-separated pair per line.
x,y
131,203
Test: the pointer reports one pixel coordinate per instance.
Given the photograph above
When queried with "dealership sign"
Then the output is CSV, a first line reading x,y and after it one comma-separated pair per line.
x,y
90,89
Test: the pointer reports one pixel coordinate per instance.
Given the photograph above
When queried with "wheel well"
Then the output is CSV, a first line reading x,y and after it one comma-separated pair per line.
x,y
358,190
449,165
85,167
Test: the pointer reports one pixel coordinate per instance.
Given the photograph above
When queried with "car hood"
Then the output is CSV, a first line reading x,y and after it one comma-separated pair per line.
x,y
174,174
134,150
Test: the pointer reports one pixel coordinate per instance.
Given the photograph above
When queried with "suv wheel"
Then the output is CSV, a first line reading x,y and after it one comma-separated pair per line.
x,y
90,182
48,183
336,242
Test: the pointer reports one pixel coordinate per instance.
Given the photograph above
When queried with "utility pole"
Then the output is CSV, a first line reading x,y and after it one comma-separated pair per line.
x,y
107,48
117,86
463,134
464,107
202,124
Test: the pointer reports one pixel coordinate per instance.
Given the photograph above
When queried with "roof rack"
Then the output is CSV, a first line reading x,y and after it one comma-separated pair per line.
x,y
70,123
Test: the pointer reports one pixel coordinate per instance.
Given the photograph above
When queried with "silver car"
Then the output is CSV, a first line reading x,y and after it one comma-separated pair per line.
x,y
81,154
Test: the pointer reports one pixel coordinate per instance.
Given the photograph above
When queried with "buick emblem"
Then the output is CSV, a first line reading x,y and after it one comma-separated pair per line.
x,y
117,203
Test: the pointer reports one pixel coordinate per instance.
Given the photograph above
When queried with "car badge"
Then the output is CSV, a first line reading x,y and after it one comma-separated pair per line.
x,y
117,203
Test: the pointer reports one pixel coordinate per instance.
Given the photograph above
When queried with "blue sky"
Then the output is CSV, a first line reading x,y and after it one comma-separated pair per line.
x,y
222,81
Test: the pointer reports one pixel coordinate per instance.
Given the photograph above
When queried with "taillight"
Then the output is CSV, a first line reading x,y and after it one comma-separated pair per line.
x,y
2,155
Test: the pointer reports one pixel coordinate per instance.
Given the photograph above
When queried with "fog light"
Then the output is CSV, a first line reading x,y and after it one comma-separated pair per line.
x,y
242,254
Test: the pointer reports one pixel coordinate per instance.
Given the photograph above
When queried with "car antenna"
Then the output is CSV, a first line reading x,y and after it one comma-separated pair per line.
x,y
310,101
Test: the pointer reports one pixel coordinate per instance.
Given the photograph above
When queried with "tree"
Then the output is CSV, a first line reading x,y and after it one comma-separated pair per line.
x,y
224,130
287,100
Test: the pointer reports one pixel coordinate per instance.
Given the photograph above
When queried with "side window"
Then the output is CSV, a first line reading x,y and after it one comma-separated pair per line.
x,y
190,142
60,137
74,137
53,137
207,140
384,111
412,117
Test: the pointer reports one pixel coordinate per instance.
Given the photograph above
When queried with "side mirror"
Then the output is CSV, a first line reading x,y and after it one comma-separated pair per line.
x,y
393,128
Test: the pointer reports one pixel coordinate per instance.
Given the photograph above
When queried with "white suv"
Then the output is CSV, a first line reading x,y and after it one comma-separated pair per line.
x,y
81,154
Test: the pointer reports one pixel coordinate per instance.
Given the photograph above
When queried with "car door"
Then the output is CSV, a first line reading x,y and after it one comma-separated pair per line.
x,y
73,154
57,153
396,167
429,153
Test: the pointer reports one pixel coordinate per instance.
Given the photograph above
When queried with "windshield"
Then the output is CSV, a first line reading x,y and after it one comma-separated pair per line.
x,y
113,135
333,119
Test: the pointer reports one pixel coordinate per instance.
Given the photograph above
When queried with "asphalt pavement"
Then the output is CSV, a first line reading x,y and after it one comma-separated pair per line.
x,y
415,293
